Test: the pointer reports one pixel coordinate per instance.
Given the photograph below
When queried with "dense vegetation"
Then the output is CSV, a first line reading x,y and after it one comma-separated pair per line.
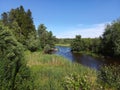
x,y
14,74
46,39
24,66
22,27
53,72
18,34
110,40
63,41
107,45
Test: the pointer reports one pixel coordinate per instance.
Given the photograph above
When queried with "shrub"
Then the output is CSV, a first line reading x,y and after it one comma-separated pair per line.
x,y
76,82
109,77
47,49
32,43
14,74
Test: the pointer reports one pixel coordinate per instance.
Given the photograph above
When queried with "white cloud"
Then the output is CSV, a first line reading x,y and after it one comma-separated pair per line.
x,y
85,31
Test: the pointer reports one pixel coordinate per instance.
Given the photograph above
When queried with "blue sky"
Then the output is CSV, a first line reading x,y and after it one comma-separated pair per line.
x,y
67,18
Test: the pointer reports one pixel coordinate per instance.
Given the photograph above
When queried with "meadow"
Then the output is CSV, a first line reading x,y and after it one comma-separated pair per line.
x,y
52,72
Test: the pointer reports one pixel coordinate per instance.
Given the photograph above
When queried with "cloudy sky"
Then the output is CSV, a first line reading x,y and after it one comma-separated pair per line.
x,y
67,18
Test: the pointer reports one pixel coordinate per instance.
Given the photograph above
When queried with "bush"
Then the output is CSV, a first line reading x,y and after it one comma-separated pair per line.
x,y
32,43
109,77
14,74
76,82
47,49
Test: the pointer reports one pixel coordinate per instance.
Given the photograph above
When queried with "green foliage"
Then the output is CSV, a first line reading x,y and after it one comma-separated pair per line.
x,y
76,82
17,32
63,41
32,43
14,72
110,40
51,39
95,47
47,49
109,77
91,45
45,37
21,25
4,18
85,45
51,71
107,45
77,44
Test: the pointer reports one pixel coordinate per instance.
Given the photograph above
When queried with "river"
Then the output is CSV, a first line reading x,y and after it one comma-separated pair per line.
x,y
85,60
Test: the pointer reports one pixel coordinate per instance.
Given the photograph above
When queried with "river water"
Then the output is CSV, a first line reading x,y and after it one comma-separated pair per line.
x,y
85,60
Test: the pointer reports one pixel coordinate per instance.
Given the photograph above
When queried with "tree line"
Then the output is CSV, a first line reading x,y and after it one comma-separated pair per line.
x,y
20,23
107,45
17,34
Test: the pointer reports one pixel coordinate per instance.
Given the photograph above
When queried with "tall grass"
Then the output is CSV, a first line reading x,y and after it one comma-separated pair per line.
x,y
65,45
50,71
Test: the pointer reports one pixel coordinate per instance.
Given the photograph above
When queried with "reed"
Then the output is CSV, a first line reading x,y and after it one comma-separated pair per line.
x,y
52,72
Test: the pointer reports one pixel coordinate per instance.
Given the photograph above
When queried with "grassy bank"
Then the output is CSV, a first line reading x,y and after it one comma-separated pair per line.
x,y
53,72
65,45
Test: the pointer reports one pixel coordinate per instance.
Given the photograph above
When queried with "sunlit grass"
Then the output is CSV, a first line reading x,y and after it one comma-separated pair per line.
x,y
38,58
65,45
49,71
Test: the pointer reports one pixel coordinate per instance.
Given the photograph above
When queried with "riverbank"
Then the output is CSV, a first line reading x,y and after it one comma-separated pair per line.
x,y
65,45
99,56
89,54
53,72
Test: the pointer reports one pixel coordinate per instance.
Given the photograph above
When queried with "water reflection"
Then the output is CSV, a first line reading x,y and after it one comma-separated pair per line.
x,y
85,60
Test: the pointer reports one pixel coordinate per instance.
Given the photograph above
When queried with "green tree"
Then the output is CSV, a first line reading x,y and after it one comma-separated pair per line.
x,y
14,74
87,44
77,44
21,22
51,39
109,76
5,18
17,32
47,49
95,45
110,40
32,43
45,37
42,35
